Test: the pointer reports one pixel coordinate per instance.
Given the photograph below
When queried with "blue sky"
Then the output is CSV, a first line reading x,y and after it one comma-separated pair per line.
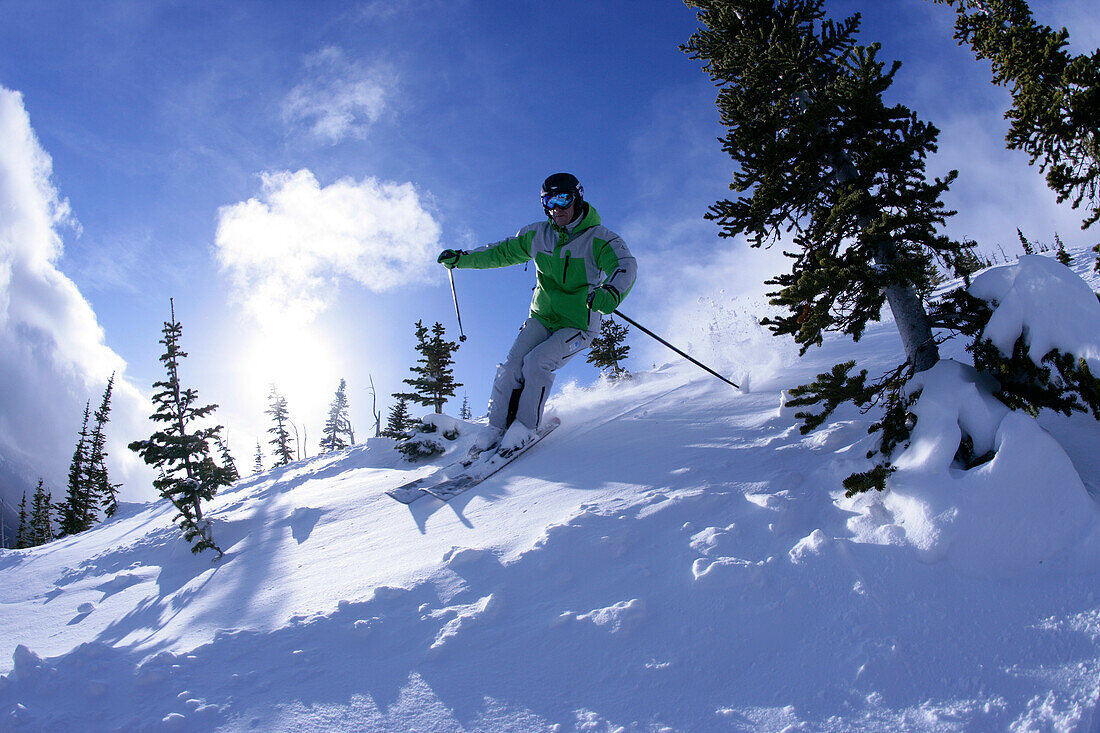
x,y
288,171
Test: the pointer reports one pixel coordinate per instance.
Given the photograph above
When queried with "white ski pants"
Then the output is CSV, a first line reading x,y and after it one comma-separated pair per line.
x,y
523,381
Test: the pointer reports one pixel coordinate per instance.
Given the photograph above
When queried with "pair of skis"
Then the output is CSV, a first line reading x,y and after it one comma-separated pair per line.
x,y
446,484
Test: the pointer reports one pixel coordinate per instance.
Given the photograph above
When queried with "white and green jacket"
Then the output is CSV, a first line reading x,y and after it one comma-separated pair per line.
x,y
570,262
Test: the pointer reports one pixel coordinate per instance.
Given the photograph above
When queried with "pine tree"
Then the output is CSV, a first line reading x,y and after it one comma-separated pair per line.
x,y
100,488
74,511
258,466
465,413
181,451
398,421
1055,111
232,475
277,409
609,349
1061,382
41,525
970,261
820,154
434,382
1060,252
1029,247
338,425
23,533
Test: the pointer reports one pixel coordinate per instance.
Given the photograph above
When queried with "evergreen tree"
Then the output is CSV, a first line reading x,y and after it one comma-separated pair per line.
x,y
1029,247
465,413
398,421
41,525
258,466
609,349
100,488
1061,382
820,154
1060,252
232,475
434,382
970,261
338,424
23,534
181,451
73,513
1055,111
277,409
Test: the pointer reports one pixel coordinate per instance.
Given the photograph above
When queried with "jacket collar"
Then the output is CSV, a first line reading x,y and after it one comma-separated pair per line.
x,y
590,219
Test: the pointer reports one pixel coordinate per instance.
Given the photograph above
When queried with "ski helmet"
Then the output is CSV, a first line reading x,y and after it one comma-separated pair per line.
x,y
560,183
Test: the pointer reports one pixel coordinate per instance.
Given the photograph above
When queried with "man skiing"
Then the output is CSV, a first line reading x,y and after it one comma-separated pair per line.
x,y
583,270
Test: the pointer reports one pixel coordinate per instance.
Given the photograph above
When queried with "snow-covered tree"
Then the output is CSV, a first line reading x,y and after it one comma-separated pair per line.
x,y
280,415
258,466
609,349
1033,371
337,433
466,413
820,154
181,450
434,382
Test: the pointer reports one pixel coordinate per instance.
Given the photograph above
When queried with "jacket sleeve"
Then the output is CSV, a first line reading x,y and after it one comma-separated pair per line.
x,y
513,251
619,267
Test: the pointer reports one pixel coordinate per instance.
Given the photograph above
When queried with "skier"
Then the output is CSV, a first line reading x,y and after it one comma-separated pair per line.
x,y
583,270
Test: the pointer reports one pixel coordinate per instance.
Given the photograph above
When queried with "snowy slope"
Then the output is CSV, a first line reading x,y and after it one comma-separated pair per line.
x,y
676,556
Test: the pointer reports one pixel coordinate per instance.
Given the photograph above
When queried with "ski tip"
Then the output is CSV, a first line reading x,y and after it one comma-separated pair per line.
x,y
405,496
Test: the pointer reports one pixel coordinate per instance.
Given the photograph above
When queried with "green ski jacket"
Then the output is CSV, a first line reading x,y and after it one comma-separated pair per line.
x,y
570,262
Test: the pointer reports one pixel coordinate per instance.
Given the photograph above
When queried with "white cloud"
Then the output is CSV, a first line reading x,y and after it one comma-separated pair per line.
x,y
288,250
338,99
52,352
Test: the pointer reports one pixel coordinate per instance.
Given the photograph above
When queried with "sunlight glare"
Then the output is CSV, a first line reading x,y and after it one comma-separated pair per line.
x,y
300,361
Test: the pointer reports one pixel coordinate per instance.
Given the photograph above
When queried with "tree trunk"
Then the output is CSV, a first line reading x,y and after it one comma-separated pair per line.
x,y
910,317
906,306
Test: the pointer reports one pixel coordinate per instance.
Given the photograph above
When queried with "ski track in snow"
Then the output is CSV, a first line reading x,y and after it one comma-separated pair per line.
x,y
676,556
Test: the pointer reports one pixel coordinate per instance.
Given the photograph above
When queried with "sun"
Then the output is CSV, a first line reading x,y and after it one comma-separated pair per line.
x,y
301,363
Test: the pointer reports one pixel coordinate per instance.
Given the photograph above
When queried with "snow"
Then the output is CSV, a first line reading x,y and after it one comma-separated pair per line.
x,y
1043,300
972,519
675,556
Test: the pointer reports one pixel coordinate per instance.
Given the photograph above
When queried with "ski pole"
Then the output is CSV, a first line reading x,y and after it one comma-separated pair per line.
x,y
454,295
646,331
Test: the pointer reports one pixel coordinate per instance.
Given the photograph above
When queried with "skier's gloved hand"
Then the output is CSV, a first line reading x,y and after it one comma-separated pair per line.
x,y
449,258
603,299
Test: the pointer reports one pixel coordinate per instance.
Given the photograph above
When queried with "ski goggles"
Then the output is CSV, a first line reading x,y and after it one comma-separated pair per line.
x,y
558,200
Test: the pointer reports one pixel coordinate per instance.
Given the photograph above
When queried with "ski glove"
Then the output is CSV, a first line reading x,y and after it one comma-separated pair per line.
x,y
603,299
449,258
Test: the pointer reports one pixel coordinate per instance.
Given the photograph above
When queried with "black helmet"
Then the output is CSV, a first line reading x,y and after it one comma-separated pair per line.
x,y
562,183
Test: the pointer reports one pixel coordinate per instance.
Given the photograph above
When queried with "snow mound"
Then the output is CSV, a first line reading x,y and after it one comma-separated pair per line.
x,y
1044,301
1009,515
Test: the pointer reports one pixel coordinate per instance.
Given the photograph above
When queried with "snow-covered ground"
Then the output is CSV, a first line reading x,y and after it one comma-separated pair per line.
x,y
676,556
